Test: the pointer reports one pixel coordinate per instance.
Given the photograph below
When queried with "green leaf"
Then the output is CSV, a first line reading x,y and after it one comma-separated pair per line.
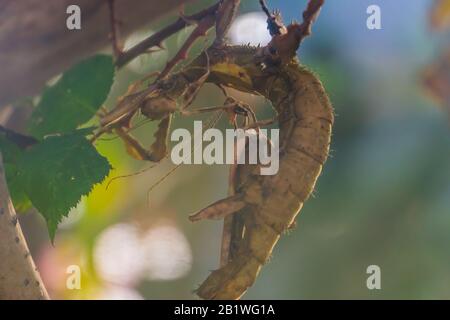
x,y
11,153
75,98
57,172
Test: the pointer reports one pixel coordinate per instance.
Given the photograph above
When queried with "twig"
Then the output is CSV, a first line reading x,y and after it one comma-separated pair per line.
x,y
156,39
114,29
222,18
202,27
19,279
225,16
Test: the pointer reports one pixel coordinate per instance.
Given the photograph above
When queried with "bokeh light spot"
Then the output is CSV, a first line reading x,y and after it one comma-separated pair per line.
x,y
250,28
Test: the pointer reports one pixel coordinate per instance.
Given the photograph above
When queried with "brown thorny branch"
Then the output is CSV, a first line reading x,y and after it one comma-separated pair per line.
x,y
19,278
157,38
221,13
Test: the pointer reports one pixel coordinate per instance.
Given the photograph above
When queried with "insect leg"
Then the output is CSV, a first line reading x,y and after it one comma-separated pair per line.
x,y
228,107
261,123
133,147
233,109
220,209
130,102
158,149
203,110
233,225
194,88
225,207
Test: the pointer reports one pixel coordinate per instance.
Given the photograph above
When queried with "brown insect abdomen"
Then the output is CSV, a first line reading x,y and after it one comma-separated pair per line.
x,y
310,98
276,200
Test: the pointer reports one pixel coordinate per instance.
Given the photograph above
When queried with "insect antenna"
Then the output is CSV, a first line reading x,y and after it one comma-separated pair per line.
x,y
154,185
131,174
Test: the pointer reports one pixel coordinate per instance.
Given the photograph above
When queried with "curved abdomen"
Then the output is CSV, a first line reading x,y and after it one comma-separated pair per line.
x,y
273,202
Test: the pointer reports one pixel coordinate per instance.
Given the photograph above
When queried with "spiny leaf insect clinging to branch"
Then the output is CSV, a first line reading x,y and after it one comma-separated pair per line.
x,y
261,208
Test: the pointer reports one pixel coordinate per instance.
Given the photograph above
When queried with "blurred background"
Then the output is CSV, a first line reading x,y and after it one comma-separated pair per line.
x,y
383,197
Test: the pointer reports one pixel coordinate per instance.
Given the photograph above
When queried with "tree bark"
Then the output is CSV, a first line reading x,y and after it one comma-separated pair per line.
x,y
19,278
36,45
